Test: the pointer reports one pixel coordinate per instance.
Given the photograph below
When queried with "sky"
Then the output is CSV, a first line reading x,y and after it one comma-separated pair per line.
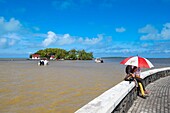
x,y
108,28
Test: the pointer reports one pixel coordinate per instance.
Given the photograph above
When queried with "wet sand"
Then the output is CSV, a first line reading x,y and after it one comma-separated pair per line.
x,y
61,87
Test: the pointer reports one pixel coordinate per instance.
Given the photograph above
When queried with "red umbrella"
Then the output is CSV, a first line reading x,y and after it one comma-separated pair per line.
x,y
137,61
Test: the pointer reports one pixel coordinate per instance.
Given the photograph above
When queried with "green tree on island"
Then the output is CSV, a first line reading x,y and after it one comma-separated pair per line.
x,y
58,53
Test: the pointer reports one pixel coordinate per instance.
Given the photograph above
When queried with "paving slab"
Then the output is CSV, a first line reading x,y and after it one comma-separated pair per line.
x,y
158,100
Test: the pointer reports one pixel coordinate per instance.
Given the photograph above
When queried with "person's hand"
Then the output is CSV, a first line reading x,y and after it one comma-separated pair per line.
x,y
133,75
137,76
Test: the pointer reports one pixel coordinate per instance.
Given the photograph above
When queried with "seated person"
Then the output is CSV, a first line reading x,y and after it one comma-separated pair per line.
x,y
128,71
136,74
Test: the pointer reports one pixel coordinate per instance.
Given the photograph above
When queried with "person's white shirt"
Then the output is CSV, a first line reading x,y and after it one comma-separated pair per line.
x,y
138,72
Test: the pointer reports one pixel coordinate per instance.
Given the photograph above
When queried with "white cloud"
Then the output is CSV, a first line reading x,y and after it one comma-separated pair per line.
x,y
166,51
3,42
10,32
12,36
9,40
150,36
153,34
91,41
66,39
12,25
165,33
51,38
13,39
167,25
120,30
148,29
145,45
36,28
118,51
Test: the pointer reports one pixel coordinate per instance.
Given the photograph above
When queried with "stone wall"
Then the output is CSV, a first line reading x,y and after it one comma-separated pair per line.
x,y
126,103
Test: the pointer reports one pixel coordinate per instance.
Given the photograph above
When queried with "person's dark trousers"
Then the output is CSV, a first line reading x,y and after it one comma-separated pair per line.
x,y
140,80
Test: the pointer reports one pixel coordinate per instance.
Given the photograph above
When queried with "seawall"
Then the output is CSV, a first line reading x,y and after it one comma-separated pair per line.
x,y
120,97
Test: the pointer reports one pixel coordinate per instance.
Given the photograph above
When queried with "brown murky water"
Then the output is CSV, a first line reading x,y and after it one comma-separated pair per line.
x,y
61,87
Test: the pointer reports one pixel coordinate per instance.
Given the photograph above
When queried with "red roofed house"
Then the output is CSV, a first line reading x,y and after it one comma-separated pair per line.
x,y
52,57
35,56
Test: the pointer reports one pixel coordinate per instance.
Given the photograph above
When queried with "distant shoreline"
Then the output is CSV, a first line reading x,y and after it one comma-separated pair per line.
x,y
126,57
13,59
27,59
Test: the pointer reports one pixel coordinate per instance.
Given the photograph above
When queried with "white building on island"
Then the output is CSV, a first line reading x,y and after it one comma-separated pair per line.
x,y
35,56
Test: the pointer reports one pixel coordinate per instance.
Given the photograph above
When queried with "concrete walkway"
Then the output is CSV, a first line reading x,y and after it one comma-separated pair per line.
x,y
158,100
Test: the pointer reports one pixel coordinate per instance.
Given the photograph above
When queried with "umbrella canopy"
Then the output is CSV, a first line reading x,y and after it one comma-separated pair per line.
x,y
137,61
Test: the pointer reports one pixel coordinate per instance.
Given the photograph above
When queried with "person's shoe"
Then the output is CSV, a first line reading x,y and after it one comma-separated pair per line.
x,y
143,96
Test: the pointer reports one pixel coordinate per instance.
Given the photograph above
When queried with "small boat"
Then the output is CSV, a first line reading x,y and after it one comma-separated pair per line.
x,y
43,62
98,60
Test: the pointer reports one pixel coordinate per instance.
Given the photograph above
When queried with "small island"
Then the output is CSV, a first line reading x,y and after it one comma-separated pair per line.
x,y
61,54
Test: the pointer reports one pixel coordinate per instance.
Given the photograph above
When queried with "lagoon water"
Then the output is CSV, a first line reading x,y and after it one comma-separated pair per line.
x,y
60,87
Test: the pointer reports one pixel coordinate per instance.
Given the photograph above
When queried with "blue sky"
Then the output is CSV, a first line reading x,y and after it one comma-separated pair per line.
x,y
107,28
